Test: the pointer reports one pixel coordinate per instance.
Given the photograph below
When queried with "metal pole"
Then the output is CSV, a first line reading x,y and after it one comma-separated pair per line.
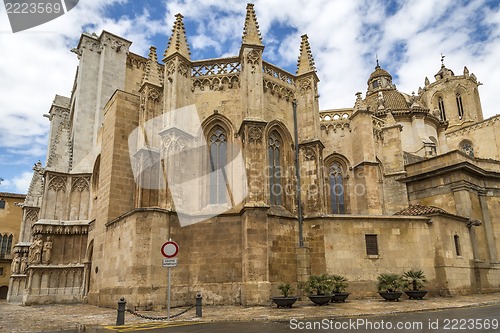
x,y
297,173
168,296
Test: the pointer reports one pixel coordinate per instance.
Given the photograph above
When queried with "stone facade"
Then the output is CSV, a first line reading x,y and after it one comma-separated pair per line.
x,y
396,182
10,222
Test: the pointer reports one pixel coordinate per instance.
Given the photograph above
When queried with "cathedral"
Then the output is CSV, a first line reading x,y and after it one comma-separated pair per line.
x,y
233,160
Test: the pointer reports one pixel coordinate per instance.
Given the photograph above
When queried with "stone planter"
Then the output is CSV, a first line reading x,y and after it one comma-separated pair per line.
x,y
284,302
391,296
416,294
320,299
340,297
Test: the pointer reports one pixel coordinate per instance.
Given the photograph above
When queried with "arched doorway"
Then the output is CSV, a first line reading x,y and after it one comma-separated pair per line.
x,y
88,268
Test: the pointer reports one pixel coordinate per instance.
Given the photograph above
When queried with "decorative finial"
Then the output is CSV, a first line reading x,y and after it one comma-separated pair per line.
x,y
251,32
305,63
178,41
152,73
376,57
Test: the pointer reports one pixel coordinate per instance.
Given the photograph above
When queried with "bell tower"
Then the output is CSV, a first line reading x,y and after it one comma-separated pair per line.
x,y
453,98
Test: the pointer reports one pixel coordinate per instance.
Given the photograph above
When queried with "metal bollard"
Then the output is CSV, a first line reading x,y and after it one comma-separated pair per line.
x,y
199,298
120,316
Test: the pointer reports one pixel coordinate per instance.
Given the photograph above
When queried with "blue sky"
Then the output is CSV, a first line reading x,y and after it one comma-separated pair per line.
x,y
345,36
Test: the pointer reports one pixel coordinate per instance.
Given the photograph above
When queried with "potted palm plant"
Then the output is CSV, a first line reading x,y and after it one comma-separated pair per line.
x,y
340,285
413,282
285,300
318,288
389,286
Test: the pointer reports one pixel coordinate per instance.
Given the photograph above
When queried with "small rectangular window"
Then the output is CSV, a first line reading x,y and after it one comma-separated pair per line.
x,y
2,204
371,245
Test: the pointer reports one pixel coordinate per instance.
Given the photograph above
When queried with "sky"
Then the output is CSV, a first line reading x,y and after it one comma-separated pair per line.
x,y
407,36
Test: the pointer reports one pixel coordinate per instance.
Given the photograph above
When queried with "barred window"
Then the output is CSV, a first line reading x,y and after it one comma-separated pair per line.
x,y
5,245
371,245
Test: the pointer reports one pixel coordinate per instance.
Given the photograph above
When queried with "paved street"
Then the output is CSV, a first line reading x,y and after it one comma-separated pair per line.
x,y
15,318
472,320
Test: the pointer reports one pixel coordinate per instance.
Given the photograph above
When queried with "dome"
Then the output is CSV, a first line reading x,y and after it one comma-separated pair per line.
x,y
391,99
378,72
380,79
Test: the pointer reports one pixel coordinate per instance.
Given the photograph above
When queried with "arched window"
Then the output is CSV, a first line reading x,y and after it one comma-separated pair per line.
x,y
274,147
217,139
460,106
442,113
9,244
466,147
337,191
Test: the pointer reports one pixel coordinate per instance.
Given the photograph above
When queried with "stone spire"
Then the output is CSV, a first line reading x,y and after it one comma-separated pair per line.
x,y
251,33
306,61
178,41
152,73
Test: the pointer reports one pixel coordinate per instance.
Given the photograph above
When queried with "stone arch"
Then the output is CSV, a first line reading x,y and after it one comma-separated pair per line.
x,y
279,174
336,173
88,268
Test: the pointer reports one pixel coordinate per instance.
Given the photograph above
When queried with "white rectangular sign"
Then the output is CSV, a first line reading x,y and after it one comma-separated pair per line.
x,y
169,262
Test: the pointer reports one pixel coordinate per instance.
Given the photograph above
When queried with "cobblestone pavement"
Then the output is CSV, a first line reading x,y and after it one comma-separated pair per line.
x,y
15,318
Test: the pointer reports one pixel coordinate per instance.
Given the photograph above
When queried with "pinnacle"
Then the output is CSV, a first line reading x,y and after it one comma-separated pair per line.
x,y
251,33
306,61
152,73
178,41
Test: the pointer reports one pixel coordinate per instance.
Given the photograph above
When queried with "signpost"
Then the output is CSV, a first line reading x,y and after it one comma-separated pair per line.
x,y
169,250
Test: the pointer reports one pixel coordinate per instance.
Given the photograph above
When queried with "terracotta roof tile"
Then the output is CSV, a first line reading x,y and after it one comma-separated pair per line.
x,y
418,210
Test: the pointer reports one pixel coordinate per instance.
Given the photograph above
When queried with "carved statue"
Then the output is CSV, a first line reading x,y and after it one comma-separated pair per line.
x,y
36,250
24,264
47,251
14,268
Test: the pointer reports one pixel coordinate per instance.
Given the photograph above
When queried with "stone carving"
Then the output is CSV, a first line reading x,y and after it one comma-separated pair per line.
x,y
183,69
253,57
154,95
380,101
80,184
14,266
309,154
57,183
279,90
304,84
254,134
174,142
24,264
47,251
228,66
36,250
170,68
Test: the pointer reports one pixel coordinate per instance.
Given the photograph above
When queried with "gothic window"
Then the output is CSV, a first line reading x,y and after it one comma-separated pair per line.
x,y
442,113
371,245
460,106
274,155
218,160
456,240
337,191
466,147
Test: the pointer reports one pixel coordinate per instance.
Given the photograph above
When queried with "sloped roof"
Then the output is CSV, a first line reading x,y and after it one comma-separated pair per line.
x,y
418,210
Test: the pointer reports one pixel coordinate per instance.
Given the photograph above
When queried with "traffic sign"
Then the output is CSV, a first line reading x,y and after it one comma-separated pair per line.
x,y
170,249
169,262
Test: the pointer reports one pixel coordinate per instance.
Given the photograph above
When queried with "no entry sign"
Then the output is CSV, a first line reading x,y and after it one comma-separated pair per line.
x,y
169,249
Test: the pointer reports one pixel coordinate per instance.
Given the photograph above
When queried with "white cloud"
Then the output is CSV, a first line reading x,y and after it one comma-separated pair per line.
x,y
17,184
